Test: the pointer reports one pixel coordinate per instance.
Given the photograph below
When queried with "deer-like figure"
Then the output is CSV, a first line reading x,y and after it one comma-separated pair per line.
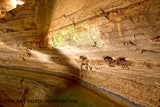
x,y
110,61
120,61
123,62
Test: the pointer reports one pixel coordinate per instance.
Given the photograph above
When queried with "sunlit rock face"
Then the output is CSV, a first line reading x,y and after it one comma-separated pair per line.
x,y
52,35
115,28
19,25
8,4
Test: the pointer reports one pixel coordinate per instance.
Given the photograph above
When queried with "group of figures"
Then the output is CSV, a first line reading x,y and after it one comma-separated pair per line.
x,y
26,53
119,61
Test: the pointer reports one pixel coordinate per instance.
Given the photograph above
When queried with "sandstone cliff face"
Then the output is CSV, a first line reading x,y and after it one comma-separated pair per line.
x,y
94,29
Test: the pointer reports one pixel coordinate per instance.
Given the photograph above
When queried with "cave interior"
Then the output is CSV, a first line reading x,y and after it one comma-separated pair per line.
x,y
109,46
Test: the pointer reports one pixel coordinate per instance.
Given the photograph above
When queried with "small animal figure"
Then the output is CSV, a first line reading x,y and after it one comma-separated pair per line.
x,y
3,11
84,61
9,30
156,39
109,60
90,68
129,42
20,82
123,62
28,53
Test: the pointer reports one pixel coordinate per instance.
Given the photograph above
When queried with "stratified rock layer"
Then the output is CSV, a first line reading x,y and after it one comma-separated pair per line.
x,y
94,29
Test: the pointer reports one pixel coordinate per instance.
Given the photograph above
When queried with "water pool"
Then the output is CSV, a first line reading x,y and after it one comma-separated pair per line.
x,y
29,88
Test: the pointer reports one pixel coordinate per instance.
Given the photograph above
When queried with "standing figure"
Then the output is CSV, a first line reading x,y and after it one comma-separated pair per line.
x,y
84,61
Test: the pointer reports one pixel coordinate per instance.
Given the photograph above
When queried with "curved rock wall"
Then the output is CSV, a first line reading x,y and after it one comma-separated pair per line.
x,y
92,29
117,28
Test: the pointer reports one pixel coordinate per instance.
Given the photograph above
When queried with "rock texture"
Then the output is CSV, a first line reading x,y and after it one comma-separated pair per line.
x,y
52,36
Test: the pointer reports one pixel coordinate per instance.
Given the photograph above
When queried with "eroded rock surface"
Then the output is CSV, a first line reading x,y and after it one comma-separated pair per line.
x,y
56,33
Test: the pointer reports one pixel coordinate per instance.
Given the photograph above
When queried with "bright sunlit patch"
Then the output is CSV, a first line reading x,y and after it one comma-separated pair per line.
x,y
51,43
20,2
49,40
41,56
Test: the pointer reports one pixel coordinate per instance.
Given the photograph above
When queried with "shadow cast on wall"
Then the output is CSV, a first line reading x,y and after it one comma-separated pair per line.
x,y
44,14
39,12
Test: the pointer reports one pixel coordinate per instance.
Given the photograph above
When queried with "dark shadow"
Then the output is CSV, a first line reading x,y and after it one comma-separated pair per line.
x,y
59,58
44,13
43,10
